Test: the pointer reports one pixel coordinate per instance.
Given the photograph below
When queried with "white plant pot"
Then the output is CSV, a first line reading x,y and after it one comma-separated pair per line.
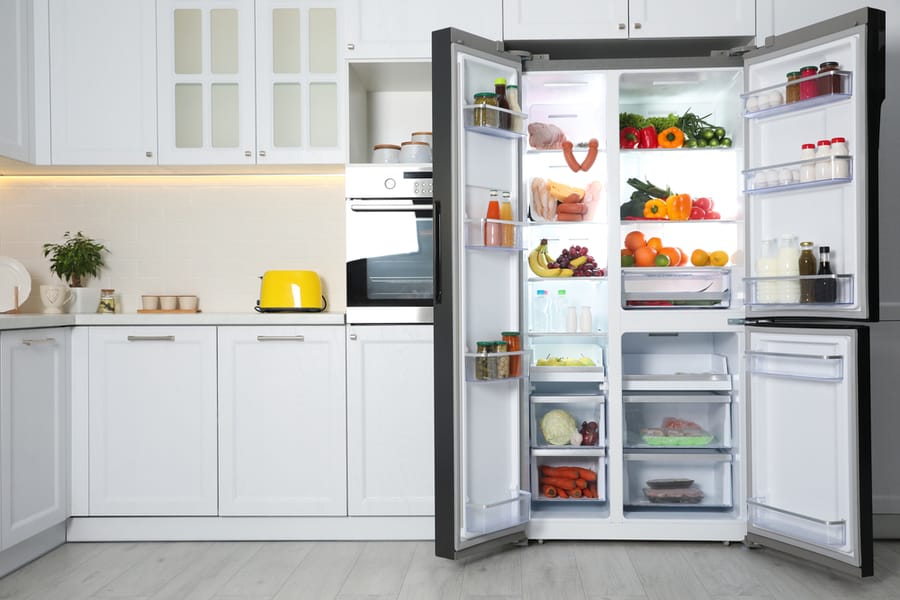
x,y
85,300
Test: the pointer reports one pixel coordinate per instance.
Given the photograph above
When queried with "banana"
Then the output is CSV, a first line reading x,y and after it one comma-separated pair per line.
x,y
538,267
566,272
577,262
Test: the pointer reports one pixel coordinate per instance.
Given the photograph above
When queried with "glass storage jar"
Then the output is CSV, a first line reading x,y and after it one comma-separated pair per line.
x,y
483,116
107,301
514,344
792,92
830,84
485,366
502,360
810,88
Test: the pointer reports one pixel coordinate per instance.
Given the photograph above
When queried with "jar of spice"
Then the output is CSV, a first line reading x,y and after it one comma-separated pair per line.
x,y
484,115
830,84
483,362
501,348
792,92
513,344
809,88
107,301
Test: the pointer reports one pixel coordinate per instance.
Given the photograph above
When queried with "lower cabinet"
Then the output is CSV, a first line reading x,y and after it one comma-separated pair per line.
x,y
282,421
34,426
152,421
390,426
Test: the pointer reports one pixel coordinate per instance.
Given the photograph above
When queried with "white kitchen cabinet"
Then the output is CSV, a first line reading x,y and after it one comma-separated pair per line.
x,y
392,29
34,432
103,74
152,421
390,403
282,421
244,82
621,19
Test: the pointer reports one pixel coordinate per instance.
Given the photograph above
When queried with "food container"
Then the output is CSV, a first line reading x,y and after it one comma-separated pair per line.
x,y
591,461
421,136
415,152
830,84
483,115
809,88
385,153
684,481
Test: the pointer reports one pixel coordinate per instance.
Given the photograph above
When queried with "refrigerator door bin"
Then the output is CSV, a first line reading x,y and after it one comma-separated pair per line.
x,y
831,87
786,177
496,367
667,287
496,516
822,532
816,367
485,119
592,461
678,421
583,409
675,372
477,234
757,287
711,488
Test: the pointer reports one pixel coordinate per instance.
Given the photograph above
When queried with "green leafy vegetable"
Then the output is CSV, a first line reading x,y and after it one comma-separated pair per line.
x,y
631,120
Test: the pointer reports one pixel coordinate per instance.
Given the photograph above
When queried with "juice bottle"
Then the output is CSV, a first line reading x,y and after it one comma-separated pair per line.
x,y
807,266
493,235
506,213
766,264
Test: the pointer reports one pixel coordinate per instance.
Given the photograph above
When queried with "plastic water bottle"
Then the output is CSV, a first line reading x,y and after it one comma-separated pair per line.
x,y
559,311
540,307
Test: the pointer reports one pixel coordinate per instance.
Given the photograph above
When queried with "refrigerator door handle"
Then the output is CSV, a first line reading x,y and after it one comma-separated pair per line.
x,y
436,244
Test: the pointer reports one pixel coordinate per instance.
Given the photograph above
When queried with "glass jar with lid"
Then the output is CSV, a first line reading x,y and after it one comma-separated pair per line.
x,y
832,83
484,116
485,366
810,87
792,91
514,344
501,348
107,301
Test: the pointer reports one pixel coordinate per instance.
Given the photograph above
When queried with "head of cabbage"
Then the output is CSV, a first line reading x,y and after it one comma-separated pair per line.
x,y
558,426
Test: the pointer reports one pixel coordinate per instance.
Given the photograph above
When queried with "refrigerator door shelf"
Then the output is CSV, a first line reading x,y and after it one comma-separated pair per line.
x,y
843,284
814,367
490,368
583,409
675,372
759,103
711,473
482,519
485,119
678,287
786,177
591,460
475,235
822,532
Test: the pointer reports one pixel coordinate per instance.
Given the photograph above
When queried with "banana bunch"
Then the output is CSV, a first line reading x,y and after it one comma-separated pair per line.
x,y
539,261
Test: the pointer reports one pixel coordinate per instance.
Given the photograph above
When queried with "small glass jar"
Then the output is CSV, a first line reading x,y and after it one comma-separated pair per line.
x,y
513,344
809,89
483,362
483,115
830,84
502,360
792,92
107,301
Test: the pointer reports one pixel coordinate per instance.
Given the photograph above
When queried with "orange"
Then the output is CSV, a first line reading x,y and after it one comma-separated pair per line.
x,y
719,258
684,257
673,254
699,258
645,256
655,243
635,240
627,252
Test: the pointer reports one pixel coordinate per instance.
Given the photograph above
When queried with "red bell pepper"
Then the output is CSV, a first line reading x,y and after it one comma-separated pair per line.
x,y
629,137
648,137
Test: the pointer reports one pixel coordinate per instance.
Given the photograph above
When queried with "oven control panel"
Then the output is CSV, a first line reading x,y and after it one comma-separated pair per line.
x,y
388,181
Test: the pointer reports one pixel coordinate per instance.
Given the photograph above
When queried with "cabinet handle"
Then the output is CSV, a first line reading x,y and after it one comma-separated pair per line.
x,y
262,153
42,341
149,154
247,153
637,25
280,338
353,336
351,46
621,26
151,338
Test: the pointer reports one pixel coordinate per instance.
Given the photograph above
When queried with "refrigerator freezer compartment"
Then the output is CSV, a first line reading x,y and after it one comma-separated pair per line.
x,y
477,236
588,462
815,367
584,410
675,372
762,287
678,421
676,287
796,175
483,118
496,516
822,532
559,359
711,487
770,101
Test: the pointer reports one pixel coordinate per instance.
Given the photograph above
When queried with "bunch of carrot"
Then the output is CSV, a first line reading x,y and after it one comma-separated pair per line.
x,y
568,482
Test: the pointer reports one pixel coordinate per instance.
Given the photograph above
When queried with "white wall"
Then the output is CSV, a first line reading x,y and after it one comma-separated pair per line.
x,y
211,236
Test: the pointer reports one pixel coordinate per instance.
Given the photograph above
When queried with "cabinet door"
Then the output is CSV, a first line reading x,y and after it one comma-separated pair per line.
x,y
701,18
564,19
103,72
206,82
282,421
402,28
152,421
34,425
391,413
300,88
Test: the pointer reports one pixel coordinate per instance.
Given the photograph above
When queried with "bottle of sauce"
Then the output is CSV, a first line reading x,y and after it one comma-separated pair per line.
x,y
502,102
506,213
513,344
807,266
823,166
810,88
792,91
830,84
788,266
512,96
493,234
826,288
766,266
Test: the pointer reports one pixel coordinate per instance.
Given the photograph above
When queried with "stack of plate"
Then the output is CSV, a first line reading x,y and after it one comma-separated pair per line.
x,y
13,274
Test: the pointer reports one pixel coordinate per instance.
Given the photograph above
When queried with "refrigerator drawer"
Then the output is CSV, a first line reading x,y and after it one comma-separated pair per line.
x,y
486,518
548,486
558,359
678,421
678,482
584,410
675,372
682,287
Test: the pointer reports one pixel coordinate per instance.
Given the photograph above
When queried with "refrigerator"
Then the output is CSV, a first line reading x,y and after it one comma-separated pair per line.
x,y
775,393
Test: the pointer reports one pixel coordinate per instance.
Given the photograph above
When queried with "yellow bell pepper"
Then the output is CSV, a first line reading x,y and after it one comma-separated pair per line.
x,y
655,209
678,207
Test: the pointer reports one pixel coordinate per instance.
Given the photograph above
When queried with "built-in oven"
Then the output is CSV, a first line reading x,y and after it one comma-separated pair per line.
x,y
390,249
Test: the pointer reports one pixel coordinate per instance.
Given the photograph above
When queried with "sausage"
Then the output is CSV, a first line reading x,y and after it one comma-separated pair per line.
x,y
593,150
570,158
569,217
573,208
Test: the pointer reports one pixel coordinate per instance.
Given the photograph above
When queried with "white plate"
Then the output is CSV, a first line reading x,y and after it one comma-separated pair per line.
x,y
12,274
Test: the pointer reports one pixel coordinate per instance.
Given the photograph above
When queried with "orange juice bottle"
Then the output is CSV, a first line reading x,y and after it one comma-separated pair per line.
x,y
493,235
506,214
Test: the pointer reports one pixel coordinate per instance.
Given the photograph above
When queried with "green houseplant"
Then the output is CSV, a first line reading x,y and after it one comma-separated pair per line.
x,y
76,259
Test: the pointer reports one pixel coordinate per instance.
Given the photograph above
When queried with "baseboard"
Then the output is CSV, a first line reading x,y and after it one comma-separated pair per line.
x,y
26,551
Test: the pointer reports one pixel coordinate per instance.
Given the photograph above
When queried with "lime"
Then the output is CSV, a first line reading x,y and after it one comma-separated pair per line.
x,y
627,260
708,133
662,260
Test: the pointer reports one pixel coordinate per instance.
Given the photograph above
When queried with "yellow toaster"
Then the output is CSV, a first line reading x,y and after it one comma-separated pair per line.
x,y
290,291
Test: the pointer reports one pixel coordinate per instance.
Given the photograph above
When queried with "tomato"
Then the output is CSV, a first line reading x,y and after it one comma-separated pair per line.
x,y
712,215
697,213
705,203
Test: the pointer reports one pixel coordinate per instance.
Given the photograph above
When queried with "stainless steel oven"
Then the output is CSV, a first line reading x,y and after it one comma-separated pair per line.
x,y
390,250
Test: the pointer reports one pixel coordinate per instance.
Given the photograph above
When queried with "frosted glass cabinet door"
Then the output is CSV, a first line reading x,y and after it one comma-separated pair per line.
x,y
205,82
299,85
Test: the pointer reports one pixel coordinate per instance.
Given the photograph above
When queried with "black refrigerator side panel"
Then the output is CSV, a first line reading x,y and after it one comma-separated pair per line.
x,y
875,93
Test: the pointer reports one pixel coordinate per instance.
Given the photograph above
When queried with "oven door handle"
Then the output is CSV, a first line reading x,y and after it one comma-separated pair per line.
x,y
390,207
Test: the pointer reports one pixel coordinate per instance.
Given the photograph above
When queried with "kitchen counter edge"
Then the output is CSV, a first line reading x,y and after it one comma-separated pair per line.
x,y
35,321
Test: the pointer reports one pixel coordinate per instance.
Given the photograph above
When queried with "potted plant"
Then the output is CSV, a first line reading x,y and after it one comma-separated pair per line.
x,y
74,261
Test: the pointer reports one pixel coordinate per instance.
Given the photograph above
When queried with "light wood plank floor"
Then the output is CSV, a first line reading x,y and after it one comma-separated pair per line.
x,y
410,571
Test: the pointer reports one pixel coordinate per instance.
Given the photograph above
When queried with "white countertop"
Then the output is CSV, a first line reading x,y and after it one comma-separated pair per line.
x,y
36,320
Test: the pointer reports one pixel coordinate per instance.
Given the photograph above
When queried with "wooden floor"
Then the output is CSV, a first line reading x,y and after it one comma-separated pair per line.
x,y
409,570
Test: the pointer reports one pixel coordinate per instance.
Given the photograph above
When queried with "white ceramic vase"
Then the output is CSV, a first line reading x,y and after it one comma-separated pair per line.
x,y
85,300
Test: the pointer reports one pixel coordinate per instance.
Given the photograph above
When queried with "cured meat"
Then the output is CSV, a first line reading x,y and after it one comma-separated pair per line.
x,y
545,136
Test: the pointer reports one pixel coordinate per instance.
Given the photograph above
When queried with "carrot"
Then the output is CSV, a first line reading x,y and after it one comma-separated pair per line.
x,y
559,483
580,484
576,493
562,493
549,491
565,472
588,493
587,474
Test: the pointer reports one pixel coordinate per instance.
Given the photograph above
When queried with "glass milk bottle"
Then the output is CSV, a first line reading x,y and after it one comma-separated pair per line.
x,y
766,266
788,265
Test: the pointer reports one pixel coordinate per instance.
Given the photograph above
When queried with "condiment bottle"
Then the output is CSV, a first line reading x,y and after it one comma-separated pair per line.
x,y
506,214
792,91
830,84
810,88
788,266
767,266
107,301
823,166
513,344
826,287
502,101
585,320
841,165
807,266
483,114
808,170
512,96
493,235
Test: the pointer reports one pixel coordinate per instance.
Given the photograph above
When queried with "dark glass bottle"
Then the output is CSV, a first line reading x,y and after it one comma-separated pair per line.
x,y
807,264
502,102
826,288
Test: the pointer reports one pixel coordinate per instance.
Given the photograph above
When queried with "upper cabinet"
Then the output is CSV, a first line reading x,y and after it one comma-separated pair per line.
x,y
244,82
391,29
623,19
103,73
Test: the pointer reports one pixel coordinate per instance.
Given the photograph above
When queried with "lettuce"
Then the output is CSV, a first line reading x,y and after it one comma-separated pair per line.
x,y
558,426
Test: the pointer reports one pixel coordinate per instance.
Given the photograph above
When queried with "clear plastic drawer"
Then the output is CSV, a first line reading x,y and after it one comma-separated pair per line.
x,y
558,359
496,516
678,421
676,287
548,484
587,412
678,481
